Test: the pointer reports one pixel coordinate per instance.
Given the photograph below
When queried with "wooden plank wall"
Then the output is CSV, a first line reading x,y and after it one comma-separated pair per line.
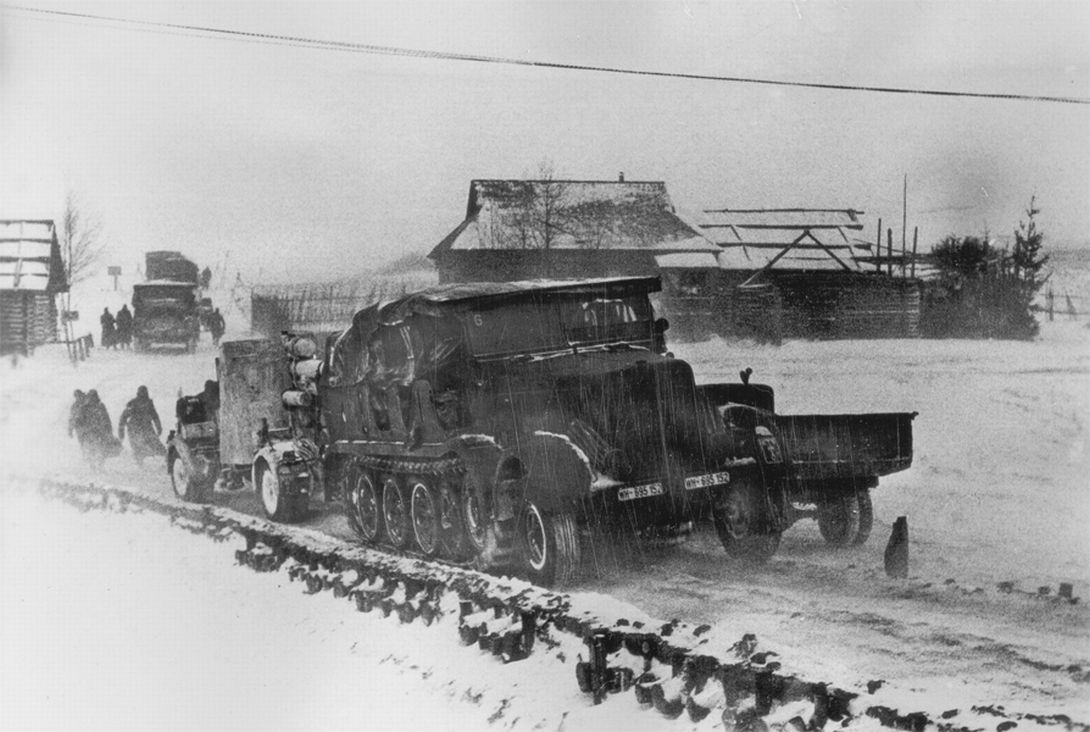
x,y
27,320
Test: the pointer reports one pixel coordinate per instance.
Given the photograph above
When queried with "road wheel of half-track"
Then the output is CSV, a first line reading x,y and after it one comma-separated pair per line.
x,y
866,516
277,500
363,506
475,517
452,539
548,546
838,519
425,514
187,485
736,521
396,512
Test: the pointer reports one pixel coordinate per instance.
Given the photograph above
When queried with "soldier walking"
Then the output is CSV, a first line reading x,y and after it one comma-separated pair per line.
x,y
94,429
216,325
143,425
124,327
109,333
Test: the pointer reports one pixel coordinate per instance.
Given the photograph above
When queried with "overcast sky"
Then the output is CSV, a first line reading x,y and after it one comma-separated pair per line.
x,y
324,162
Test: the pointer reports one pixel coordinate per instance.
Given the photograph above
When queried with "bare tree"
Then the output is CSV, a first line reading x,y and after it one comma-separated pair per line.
x,y
538,213
82,244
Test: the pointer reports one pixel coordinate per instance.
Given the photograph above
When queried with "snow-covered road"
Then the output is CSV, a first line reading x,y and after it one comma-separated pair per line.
x,y
998,493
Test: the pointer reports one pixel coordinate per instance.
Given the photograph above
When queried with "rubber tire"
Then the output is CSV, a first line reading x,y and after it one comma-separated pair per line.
x,y
548,546
285,509
839,519
424,516
193,490
866,517
369,531
395,505
732,519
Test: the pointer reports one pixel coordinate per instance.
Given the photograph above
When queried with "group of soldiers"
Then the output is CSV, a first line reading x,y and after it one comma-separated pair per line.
x,y
89,422
116,331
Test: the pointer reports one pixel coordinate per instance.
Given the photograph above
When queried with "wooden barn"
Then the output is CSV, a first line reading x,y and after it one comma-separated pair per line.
x,y
794,273
31,275
528,229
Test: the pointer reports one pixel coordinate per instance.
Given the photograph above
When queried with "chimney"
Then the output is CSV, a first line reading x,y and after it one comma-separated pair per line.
x,y
620,177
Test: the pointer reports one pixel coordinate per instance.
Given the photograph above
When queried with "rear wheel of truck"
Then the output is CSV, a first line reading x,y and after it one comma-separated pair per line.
x,y
548,545
866,516
363,506
187,485
737,520
838,519
425,513
279,502
395,513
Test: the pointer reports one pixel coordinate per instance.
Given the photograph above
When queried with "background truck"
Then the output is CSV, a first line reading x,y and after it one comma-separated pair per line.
x,y
514,425
165,308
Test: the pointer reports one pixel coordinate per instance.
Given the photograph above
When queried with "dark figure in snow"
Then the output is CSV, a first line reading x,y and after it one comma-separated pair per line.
x,y
74,415
142,422
206,278
210,397
124,327
216,325
896,558
109,325
95,431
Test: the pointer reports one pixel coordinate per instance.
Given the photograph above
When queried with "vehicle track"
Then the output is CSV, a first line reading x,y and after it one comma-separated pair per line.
x,y
668,667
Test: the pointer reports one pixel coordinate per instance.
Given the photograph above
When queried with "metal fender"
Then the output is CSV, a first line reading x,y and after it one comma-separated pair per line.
x,y
274,454
558,473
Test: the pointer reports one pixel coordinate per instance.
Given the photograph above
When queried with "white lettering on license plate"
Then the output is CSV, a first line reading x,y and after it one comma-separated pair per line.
x,y
705,481
633,492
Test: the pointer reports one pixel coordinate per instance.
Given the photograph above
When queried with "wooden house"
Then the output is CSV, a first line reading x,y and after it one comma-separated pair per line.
x,y
527,229
31,275
796,273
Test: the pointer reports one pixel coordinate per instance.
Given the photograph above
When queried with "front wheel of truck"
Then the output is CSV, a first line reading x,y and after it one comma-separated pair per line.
x,y
737,519
548,546
838,518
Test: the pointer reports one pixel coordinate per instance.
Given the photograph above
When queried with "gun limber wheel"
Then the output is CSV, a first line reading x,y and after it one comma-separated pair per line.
x,y
362,506
548,546
838,519
395,513
866,516
737,523
187,486
274,491
425,516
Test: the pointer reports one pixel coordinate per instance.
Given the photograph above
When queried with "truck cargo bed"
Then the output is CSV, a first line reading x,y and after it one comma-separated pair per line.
x,y
836,446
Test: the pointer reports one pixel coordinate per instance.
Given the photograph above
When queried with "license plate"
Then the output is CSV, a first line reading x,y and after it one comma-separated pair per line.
x,y
706,481
633,492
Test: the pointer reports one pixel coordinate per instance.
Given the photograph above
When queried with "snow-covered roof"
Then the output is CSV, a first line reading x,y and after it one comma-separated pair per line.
x,y
615,215
29,255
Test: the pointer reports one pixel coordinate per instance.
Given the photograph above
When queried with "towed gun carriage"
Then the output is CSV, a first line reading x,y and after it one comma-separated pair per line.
x,y
508,424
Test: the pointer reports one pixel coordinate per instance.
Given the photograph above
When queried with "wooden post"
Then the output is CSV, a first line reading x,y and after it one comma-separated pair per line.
x,y
1050,300
889,250
915,236
904,223
878,246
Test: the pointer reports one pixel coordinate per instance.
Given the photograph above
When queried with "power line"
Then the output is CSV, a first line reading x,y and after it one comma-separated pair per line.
x,y
366,48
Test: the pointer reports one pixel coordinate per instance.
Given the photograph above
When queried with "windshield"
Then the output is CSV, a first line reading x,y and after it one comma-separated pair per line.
x,y
539,327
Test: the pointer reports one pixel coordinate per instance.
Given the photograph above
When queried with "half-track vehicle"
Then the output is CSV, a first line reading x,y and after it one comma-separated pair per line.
x,y
508,424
